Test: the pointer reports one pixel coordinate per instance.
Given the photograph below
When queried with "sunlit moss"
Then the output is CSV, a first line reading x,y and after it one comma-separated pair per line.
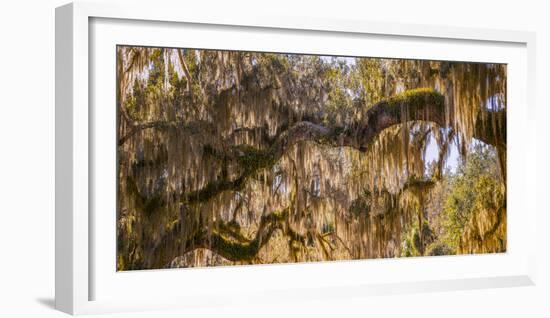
x,y
416,98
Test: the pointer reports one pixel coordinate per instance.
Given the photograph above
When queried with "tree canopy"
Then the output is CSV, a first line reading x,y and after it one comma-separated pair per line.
x,y
232,157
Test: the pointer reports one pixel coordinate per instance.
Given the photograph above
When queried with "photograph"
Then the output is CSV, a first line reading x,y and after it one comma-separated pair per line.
x,y
238,158
280,159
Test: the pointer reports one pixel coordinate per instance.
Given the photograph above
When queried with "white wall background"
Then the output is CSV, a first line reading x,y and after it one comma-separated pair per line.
x,y
27,158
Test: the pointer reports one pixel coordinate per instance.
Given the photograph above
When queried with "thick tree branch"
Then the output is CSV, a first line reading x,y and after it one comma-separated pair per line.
x,y
226,240
222,240
425,105
417,105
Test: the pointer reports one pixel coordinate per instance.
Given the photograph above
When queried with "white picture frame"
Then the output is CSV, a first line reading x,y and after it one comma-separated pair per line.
x,y
76,250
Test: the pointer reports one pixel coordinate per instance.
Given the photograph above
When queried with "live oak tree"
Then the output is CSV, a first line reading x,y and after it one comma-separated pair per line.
x,y
238,157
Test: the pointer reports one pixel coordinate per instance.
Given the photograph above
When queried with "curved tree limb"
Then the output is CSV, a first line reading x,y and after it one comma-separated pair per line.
x,y
421,105
413,105
226,240
425,105
222,241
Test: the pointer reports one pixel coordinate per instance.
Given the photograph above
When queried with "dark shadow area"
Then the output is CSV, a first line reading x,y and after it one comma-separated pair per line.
x,y
47,302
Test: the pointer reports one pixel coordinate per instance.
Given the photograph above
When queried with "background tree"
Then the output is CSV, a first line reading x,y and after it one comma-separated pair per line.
x,y
475,210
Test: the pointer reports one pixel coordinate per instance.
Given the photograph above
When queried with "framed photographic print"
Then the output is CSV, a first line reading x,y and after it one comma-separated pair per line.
x,y
204,160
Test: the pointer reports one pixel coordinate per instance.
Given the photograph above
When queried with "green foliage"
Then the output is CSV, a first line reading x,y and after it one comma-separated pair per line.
x,y
327,228
253,159
372,77
416,241
465,206
343,91
273,62
474,185
439,249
